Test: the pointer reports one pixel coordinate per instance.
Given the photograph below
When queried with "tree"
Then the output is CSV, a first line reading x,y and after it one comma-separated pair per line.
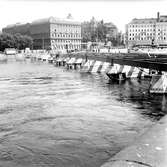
x,y
16,41
6,41
23,41
100,32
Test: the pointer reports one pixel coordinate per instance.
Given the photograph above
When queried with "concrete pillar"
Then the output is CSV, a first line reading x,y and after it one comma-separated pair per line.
x,y
75,66
158,83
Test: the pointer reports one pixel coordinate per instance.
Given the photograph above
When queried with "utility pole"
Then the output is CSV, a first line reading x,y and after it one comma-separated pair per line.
x,y
43,43
97,35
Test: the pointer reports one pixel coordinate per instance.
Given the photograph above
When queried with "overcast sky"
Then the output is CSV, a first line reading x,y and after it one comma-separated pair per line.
x,y
120,12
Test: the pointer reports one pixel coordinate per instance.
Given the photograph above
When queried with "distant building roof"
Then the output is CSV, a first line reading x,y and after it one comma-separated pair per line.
x,y
39,21
163,18
143,21
17,24
68,20
110,25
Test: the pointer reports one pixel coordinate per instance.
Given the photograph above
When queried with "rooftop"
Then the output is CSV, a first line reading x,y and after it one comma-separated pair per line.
x,y
163,18
110,25
68,20
143,21
17,24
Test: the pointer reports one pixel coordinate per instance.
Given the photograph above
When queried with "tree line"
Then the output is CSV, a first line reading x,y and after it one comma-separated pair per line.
x,y
16,41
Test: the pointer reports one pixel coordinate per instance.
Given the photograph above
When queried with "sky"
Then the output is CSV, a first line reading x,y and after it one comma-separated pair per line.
x,y
119,12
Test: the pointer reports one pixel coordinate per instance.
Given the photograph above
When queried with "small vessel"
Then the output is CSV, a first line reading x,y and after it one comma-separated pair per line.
x,y
116,76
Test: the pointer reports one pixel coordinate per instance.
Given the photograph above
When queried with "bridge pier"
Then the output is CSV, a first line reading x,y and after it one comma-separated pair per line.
x,y
119,69
88,66
158,84
78,63
127,72
70,63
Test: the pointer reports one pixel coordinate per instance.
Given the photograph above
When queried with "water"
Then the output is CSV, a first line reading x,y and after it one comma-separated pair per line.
x,y
54,117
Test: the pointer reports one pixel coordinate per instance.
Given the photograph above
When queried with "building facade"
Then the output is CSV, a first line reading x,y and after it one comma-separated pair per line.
x,y
51,33
98,31
111,30
147,32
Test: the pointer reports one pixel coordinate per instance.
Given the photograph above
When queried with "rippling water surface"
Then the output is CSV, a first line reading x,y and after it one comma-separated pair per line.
x,y
51,117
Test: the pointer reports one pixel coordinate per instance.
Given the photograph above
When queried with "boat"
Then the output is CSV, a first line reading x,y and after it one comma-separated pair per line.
x,y
116,76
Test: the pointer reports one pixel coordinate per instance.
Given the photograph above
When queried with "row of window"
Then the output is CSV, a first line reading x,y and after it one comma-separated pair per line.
x,y
147,38
64,46
67,31
162,29
66,41
132,30
162,34
140,34
140,39
149,34
68,26
60,29
141,25
66,35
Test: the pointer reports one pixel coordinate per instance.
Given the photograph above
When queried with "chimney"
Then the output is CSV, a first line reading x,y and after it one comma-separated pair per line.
x,y
158,16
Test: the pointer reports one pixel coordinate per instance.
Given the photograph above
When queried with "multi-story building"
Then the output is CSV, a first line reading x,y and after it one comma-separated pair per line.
x,y
53,33
89,30
111,30
147,32
93,30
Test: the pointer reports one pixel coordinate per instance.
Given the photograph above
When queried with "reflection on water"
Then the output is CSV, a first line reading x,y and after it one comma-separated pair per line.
x,y
54,117
150,105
